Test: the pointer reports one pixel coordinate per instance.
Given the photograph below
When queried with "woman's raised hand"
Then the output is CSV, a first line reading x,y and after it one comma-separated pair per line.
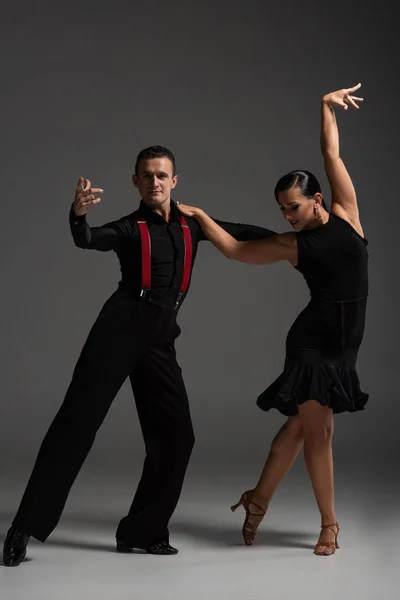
x,y
344,97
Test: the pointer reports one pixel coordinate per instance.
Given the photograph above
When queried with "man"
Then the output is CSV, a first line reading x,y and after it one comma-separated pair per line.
x,y
133,337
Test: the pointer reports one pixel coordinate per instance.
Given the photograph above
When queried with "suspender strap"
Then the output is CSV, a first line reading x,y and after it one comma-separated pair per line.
x,y
146,258
187,265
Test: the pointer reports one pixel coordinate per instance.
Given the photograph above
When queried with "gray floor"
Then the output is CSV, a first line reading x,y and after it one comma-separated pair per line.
x,y
79,561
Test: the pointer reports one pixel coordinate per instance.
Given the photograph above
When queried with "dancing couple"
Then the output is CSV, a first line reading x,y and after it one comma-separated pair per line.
x,y
134,336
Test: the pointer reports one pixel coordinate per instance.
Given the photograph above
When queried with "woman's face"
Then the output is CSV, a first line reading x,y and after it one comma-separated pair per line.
x,y
298,209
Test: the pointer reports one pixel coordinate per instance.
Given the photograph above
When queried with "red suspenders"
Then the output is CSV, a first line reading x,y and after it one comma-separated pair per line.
x,y
146,258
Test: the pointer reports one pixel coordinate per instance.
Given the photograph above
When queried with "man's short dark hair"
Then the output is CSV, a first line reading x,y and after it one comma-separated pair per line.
x,y
155,152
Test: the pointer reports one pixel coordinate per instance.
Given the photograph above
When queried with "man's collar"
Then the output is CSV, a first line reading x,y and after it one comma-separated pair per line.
x,y
151,216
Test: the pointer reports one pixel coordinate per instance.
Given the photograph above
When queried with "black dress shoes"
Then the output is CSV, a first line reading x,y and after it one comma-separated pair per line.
x,y
14,549
161,548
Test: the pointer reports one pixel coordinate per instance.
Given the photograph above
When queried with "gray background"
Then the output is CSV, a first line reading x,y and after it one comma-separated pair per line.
x,y
233,88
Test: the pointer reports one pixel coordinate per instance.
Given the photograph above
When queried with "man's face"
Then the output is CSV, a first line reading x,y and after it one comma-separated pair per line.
x,y
155,180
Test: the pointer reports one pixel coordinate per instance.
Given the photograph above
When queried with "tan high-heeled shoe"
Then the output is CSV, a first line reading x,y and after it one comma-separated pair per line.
x,y
334,545
249,530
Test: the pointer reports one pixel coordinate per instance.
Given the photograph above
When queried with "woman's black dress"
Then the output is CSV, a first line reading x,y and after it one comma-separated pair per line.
x,y
323,342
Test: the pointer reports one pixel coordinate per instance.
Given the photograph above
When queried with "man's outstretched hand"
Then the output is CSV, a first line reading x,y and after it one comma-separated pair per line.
x,y
85,196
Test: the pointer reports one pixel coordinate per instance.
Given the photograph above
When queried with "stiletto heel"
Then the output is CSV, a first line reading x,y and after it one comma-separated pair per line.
x,y
249,529
334,545
235,506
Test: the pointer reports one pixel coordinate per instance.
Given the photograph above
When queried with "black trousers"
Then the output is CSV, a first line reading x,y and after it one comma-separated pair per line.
x,y
129,338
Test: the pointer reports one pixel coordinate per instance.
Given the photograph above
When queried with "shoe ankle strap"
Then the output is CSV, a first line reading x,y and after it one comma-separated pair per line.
x,y
330,526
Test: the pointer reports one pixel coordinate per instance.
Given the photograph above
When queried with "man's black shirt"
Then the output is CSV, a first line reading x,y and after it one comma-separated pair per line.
x,y
167,247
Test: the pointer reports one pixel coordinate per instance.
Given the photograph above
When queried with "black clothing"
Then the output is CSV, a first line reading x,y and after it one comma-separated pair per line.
x,y
167,246
323,342
134,338
14,548
161,548
129,338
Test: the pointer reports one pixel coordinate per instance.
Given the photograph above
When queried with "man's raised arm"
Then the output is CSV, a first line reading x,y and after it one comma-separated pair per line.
x,y
96,238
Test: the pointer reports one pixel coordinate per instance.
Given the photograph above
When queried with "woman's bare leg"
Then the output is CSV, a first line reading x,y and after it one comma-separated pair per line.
x,y
317,427
284,450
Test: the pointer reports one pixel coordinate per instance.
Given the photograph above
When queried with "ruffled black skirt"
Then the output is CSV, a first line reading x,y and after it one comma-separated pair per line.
x,y
321,356
332,380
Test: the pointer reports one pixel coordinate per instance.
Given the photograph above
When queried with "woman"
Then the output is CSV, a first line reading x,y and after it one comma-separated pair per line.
x,y
319,377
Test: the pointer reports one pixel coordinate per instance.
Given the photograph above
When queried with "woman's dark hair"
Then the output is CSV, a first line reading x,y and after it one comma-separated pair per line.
x,y
305,181
155,152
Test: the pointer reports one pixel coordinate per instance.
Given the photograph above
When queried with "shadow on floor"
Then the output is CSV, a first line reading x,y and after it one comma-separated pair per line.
x,y
231,536
218,536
